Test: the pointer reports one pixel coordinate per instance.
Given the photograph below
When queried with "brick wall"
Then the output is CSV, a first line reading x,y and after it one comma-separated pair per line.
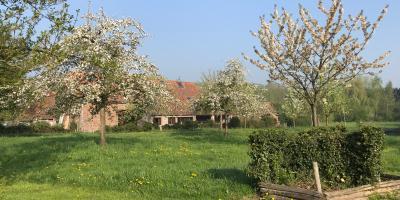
x,y
89,123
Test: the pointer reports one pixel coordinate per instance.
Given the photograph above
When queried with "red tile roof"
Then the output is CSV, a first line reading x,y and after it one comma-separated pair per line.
x,y
183,90
185,93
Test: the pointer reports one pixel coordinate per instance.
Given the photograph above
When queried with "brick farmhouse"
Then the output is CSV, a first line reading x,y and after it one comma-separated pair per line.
x,y
184,92
86,122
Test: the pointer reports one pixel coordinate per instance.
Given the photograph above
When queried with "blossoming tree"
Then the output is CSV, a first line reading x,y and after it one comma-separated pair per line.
x,y
292,106
228,93
98,65
307,55
28,31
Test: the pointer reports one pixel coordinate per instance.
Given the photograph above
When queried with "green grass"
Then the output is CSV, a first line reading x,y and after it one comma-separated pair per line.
x,y
154,165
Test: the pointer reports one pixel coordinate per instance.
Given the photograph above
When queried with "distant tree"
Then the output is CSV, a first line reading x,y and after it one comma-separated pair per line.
x,y
227,92
396,92
335,101
98,64
375,92
208,101
308,55
293,107
26,43
388,102
359,103
396,110
252,105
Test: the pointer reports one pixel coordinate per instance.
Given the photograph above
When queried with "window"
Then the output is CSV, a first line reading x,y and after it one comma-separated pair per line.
x,y
171,120
157,120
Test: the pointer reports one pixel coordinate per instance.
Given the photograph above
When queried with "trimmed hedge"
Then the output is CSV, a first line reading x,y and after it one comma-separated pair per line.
x,y
132,127
344,159
185,125
34,128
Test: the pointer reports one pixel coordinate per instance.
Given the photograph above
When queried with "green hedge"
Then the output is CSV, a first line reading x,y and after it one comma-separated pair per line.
x,y
345,159
132,127
34,128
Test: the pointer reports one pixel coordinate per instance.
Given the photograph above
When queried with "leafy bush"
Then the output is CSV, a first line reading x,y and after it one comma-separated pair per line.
x,y
186,125
131,127
208,124
43,127
264,122
15,129
343,159
37,127
190,125
234,122
73,126
171,126
147,126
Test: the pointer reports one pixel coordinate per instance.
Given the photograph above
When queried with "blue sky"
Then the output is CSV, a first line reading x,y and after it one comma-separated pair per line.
x,y
188,38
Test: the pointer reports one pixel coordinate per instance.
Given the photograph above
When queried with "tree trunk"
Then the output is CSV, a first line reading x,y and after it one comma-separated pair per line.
x,y
226,126
220,122
326,120
212,117
245,122
102,127
314,115
344,117
294,123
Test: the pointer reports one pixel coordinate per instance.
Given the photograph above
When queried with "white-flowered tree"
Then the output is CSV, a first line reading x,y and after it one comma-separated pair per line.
x,y
28,32
307,54
97,65
293,107
208,101
228,93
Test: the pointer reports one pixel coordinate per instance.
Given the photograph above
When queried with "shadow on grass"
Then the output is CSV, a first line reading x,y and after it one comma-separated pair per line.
x,y
210,136
392,131
232,174
20,159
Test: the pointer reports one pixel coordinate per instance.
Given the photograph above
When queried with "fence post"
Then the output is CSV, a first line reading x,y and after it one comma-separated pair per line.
x,y
316,176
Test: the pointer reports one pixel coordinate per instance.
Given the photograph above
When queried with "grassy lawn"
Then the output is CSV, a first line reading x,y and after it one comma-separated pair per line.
x,y
169,165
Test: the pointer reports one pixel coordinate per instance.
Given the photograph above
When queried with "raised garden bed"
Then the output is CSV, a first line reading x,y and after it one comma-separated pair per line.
x,y
362,192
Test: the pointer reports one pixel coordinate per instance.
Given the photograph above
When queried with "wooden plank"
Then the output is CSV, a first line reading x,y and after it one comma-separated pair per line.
x,y
289,192
287,188
363,192
290,195
316,176
386,184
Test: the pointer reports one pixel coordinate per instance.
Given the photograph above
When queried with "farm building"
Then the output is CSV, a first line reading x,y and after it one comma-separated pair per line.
x,y
185,92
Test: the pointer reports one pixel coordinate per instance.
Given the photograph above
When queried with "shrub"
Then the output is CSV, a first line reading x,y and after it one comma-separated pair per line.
x,y
15,129
364,151
73,126
171,126
147,126
131,127
190,125
37,127
45,127
208,124
186,125
234,122
344,159
41,127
